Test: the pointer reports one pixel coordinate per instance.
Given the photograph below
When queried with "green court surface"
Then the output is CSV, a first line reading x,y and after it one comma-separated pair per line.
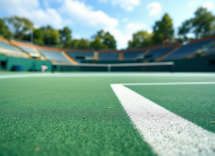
x,y
79,114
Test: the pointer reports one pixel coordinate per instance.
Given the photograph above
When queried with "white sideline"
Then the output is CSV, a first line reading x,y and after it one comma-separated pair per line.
x,y
168,83
105,74
167,133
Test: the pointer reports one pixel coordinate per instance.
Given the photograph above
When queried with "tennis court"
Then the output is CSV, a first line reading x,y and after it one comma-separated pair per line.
x,y
107,114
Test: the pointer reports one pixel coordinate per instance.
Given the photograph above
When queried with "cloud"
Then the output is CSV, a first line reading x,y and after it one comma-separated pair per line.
x,y
74,11
128,5
86,15
124,35
191,4
132,27
154,8
103,1
209,5
32,11
125,19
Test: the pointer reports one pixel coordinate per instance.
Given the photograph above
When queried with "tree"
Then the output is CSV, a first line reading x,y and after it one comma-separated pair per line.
x,y
4,30
140,39
106,38
200,25
65,36
38,36
20,26
97,44
78,44
185,29
72,44
84,44
109,41
50,35
203,22
163,30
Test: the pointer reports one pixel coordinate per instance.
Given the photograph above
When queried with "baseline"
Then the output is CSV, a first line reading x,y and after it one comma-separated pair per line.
x,y
167,133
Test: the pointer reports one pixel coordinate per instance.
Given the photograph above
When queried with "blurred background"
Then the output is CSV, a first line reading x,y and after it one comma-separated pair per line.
x,y
107,35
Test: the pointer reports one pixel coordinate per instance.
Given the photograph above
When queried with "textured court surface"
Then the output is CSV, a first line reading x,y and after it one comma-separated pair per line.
x,y
79,114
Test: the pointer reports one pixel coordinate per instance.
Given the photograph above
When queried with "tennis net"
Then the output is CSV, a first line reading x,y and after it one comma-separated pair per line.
x,y
153,66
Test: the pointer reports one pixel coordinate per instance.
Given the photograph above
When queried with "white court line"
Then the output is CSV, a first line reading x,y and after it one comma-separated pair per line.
x,y
167,133
107,75
169,83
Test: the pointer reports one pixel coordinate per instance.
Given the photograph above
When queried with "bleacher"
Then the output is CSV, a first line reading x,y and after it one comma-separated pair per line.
x,y
108,56
211,50
29,51
79,56
156,53
10,50
129,55
187,50
56,56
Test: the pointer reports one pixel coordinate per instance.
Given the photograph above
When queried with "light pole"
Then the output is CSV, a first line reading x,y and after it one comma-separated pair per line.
x,y
32,35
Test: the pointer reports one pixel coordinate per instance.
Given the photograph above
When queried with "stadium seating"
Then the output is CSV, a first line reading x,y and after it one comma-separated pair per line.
x,y
29,51
187,49
78,56
56,56
131,55
156,53
108,56
209,46
7,46
210,51
10,50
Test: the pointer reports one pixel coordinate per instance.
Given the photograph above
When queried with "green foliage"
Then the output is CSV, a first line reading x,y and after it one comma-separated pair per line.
x,y
20,26
203,22
72,44
65,36
50,35
84,44
163,30
4,30
78,44
38,36
97,44
185,28
140,39
109,41
201,25
106,38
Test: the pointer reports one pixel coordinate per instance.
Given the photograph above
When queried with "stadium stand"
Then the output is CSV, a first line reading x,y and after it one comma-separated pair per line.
x,y
29,51
79,56
199,50
209,46
129,55
56,56
156,53
10,50
188,49
108,56
210,51
7,46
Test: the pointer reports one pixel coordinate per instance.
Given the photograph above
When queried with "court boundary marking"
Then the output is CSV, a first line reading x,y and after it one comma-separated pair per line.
x,y
167,133
31,75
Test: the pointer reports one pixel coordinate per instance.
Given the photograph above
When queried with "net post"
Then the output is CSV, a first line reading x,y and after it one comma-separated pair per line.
x,y
173,67
53,69
109,68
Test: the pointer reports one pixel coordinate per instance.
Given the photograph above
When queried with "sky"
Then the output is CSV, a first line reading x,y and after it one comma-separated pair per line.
x,y
121,18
